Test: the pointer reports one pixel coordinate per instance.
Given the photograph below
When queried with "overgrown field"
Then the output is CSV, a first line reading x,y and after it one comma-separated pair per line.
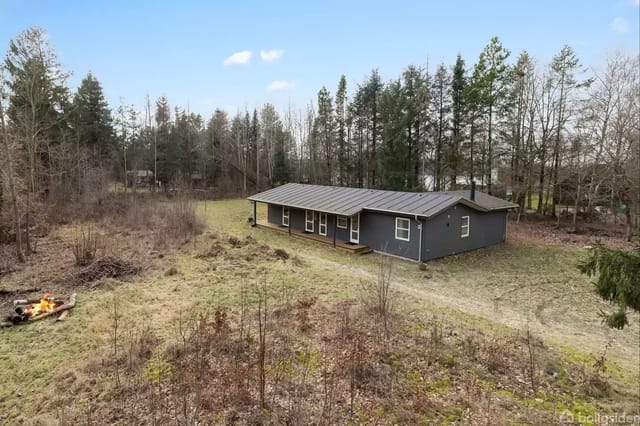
x,y
237,324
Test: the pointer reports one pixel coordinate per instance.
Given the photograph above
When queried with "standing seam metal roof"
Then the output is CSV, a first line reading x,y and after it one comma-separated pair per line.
x,y
349,201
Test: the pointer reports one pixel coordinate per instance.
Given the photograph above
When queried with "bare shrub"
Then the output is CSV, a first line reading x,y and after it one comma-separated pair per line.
x,y
86,242
262,295
378,295
303,306
181,218
140,344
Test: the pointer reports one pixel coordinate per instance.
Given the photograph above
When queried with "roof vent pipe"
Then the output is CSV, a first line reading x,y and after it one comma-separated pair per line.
x,y
473,190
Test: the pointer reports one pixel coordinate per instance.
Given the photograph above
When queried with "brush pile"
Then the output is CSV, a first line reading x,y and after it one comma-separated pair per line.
x,y
107,267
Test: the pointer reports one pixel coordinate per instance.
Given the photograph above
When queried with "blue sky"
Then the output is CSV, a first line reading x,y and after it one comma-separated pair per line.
x,y
179,48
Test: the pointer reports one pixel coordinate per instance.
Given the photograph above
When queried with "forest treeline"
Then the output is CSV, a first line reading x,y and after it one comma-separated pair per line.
x,y
543,135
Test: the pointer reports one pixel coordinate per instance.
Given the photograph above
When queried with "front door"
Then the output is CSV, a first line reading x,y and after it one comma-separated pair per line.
x,y
322,224
354,235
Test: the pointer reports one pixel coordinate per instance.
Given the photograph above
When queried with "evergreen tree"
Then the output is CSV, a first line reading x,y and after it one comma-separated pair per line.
x,y
618,281
341,112
324,133
415,90
167,144
458,119
441,107
372,90
491,76
395,158
38,99
92,120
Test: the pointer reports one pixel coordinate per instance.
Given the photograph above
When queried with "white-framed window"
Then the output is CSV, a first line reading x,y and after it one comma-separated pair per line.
x,y
322,224
402,228
464,226
342,222
285,216
308,220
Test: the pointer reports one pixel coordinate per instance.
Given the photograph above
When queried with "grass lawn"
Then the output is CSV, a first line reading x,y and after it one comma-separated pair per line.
x,y
515,285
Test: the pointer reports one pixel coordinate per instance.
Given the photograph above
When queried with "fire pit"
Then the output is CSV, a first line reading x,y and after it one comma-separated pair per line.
x,y
25,310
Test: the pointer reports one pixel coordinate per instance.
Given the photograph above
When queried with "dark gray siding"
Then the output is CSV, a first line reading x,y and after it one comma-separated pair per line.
x,y
442,232
297,221
274,214
378,231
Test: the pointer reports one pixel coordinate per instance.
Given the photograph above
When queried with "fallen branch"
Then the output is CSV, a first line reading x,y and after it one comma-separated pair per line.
x,y
63,316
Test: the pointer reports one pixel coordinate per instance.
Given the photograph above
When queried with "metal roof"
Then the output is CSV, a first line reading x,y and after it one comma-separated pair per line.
x,y
349,201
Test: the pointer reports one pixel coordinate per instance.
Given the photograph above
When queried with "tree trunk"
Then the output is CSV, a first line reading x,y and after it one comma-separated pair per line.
x,y
12,188
575,208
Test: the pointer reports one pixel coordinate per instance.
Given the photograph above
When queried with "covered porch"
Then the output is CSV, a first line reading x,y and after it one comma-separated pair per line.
x,y
350,247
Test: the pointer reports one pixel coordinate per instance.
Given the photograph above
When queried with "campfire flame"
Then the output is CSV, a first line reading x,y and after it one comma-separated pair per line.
x,y
46,304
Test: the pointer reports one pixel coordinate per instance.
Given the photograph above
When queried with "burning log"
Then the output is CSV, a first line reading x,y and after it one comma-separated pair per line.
x,y
34,310
67,306
63,315
19,302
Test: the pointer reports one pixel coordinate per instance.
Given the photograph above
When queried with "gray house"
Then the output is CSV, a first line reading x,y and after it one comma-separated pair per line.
x,y
415,225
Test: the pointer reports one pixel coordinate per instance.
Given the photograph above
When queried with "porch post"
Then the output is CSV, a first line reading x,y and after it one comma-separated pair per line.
x,y
254,213
335,224
289,221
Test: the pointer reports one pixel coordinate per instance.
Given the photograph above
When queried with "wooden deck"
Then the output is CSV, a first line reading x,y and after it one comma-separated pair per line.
x,y
353,248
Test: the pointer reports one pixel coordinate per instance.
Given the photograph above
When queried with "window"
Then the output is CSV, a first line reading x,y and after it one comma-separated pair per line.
x,y
342,222
464,227
402,228
308,222
285,216
322,224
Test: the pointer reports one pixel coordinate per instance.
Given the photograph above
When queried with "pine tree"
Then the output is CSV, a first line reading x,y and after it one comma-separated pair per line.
x,y
372,89
324,133
92,119
618,281
492,78
415,90
458,119
395,158
37,101
441,107
341,98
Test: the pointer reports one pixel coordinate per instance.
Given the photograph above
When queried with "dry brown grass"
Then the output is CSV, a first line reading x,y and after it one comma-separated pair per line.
x,y
324,364
327,360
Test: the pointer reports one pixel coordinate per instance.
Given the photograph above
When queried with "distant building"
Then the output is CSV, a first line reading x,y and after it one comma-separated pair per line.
x,y
140,178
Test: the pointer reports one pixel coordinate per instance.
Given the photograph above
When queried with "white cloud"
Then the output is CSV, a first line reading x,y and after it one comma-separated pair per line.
x,y
620,25
280,85
271,55
242,57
